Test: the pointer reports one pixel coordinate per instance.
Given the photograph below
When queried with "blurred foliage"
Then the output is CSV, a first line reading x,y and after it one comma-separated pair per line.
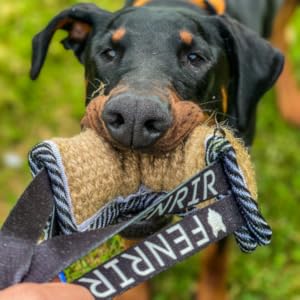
x,y
53,105
95,258
293,36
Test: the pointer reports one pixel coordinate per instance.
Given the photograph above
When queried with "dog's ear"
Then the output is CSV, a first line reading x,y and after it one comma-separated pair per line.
x,y
78,21
255,66
129,3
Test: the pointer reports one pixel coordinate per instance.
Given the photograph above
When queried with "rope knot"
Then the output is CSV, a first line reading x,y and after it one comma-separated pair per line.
x,y
256,231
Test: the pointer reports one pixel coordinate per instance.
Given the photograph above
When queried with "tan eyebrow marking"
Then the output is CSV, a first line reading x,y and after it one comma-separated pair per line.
x,y
186,37
118,34
141,2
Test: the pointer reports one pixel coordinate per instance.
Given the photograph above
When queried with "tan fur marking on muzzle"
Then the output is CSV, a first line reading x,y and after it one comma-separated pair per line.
x,y
93,114
186,116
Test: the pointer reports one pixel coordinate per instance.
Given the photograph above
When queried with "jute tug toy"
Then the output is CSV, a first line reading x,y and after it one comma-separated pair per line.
x,y
86,191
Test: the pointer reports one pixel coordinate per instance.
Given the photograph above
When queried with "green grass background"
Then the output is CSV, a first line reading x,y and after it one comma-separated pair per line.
x,y
53,105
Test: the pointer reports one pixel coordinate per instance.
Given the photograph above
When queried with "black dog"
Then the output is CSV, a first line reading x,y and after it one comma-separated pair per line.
x,y
162,46
152,55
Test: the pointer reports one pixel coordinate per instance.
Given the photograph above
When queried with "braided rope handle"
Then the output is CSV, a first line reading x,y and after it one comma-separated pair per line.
x,y
256,231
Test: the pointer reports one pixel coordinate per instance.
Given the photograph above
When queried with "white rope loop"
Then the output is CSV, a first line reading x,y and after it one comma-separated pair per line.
x,y
256,230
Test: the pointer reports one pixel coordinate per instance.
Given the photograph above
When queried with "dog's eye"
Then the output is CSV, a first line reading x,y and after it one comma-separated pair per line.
x,y
194,59
109,54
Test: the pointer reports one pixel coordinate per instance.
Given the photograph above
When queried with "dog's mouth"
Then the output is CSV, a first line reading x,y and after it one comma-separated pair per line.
x,y
108,114
145,228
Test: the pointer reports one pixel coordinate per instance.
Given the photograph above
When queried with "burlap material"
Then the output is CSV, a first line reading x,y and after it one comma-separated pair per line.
x,y
97,173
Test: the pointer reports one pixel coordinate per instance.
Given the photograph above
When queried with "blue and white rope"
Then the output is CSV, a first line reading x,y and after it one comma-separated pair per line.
x,y
256,231
44,156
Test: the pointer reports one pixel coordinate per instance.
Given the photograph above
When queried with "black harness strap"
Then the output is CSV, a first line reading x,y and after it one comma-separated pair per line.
x,y
28,217
22,230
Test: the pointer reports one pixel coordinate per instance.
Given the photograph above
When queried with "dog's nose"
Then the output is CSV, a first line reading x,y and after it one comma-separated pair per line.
x,y
136,122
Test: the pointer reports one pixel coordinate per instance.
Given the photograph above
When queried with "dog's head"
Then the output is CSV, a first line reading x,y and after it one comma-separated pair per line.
x,y
164,69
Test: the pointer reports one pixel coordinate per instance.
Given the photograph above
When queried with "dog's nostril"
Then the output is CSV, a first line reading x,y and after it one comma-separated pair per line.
x,y
116,120
152,127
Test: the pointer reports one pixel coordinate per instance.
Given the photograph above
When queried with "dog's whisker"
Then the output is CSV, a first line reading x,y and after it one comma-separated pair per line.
x,y
92,83
213,112
210,102
208,120
98,80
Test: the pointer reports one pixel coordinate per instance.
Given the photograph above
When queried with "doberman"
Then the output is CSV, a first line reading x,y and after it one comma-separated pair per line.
x,y
159,60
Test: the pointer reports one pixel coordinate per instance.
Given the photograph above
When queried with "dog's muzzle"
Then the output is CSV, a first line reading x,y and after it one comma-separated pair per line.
x,y
136,122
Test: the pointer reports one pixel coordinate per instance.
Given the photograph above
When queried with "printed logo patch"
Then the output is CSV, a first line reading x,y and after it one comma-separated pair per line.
x,y
215,220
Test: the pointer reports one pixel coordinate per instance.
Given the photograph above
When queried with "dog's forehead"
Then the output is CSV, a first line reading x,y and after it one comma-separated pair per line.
x,y
153,21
